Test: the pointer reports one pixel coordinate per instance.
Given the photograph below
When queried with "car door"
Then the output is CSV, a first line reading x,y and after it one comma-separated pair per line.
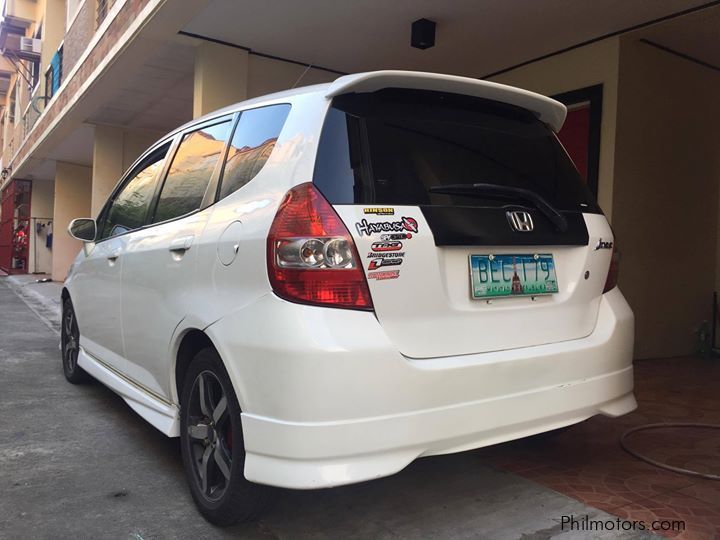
x,y
97,277
159,263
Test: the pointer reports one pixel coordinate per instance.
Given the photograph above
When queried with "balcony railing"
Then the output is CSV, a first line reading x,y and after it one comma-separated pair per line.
x,y
103,8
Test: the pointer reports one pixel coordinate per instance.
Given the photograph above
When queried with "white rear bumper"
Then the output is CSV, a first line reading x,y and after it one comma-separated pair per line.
x,y
326,412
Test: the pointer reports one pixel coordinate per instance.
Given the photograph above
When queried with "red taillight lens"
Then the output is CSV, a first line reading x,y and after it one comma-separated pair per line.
x,y
312,258
612,275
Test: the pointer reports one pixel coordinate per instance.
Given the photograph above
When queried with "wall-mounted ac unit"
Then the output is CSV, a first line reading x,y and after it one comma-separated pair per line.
x,y
30,48
22,47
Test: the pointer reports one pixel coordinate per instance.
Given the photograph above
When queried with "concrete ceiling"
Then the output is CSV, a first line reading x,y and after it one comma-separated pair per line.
x,y
474,37
156,94
696,35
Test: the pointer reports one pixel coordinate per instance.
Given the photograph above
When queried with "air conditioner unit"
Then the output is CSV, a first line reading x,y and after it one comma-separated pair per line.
x,y
21,47
30,48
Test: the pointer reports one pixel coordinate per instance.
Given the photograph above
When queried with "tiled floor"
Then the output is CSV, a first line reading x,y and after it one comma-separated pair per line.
x,y
587,463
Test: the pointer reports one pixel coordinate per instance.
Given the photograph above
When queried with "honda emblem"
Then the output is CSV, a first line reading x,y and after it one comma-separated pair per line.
x,y
520,221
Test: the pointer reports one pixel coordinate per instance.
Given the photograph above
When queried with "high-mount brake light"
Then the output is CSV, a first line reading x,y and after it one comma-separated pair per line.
x,y
311,256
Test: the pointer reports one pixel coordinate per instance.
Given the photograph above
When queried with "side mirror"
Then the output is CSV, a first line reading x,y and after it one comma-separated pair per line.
x,y
83,229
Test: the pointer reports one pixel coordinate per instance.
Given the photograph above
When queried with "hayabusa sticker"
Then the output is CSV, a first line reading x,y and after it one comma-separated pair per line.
x,y
386,246
410,224
377,263
366,228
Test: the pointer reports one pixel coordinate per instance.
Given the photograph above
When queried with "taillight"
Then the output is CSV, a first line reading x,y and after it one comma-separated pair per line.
x,y
312,258
612,275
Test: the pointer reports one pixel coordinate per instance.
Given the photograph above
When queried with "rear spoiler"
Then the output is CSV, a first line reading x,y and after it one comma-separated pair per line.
x,y
547,110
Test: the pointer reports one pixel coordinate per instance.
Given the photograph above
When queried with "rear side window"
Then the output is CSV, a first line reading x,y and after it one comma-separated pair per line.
x,y
252,143
129,208
390,147
191,171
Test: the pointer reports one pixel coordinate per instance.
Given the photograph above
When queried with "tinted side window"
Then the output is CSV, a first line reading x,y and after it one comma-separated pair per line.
x,y
128,209
252,144
191,171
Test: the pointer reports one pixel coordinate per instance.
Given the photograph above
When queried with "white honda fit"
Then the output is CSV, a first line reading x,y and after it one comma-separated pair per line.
x,y
317,287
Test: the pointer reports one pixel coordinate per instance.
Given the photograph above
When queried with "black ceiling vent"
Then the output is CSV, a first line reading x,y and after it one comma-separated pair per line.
x,y
423,34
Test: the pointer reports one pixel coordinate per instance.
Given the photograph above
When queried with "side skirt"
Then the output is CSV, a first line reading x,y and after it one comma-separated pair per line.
x,y
160,414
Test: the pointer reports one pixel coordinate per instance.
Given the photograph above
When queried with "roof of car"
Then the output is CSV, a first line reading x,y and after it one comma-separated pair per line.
x,y
548,110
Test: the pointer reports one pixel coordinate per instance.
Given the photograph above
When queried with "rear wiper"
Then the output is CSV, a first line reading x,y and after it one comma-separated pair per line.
x,y
505,192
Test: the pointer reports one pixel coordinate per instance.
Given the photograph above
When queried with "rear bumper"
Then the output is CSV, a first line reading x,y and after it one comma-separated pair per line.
x,y
324,411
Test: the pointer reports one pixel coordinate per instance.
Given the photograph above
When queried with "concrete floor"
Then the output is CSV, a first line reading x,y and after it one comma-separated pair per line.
x,y
76,462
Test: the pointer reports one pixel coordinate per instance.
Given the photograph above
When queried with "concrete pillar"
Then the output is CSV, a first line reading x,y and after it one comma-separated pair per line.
x,y
221,74
114,151
72,200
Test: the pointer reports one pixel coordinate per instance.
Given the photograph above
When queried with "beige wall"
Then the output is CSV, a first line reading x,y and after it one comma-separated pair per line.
x,y
53,34
579,68
225,75
665,201
266,75
114,151
72,200
220,77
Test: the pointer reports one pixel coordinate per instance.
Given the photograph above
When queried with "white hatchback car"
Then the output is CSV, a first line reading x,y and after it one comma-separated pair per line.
x,y
317,287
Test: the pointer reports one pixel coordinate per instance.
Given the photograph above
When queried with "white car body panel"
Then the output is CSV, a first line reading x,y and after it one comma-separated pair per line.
x,y
334,396
98,309
427,312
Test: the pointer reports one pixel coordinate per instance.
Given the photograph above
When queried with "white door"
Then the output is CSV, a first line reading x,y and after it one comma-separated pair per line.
x,y
476,232
96,299
97,280
159,264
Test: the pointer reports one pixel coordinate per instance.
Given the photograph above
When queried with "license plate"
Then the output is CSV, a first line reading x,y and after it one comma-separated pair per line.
x,y
494,276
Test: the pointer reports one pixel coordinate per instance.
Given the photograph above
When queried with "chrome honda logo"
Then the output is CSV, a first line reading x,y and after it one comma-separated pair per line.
x,y
520,221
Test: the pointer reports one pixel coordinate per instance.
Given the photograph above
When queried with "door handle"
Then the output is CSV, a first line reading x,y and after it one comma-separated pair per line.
x,y
113,256
181,244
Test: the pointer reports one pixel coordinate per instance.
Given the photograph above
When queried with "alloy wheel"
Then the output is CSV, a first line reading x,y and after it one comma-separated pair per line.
x,y
70,340
209,432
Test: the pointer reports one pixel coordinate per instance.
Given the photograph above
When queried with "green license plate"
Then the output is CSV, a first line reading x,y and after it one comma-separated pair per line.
x,y
493,276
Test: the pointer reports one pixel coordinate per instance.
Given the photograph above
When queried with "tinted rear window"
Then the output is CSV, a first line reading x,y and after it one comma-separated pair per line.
x,y
390,147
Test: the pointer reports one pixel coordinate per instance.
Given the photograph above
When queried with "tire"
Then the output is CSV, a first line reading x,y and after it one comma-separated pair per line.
x,y
212,445
70,346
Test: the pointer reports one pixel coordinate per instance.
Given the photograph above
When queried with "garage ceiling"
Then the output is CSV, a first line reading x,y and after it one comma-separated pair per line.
x,y
474,37
696,35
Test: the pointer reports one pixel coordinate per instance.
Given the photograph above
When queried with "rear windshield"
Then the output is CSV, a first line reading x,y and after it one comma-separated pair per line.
x,y
390,147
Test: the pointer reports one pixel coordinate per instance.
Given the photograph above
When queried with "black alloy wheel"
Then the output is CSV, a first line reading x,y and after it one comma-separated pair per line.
x,y
212,445
70,345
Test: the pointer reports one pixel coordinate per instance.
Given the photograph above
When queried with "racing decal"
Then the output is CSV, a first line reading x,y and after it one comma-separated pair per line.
x,y
399,255
379,211
377,263
366,228
386,246
385,274
396,236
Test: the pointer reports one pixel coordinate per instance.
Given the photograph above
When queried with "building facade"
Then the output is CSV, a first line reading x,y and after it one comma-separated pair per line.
x,y
87,85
